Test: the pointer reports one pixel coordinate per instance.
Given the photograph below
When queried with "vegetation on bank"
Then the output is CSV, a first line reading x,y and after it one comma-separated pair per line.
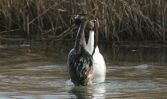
x,y
121,20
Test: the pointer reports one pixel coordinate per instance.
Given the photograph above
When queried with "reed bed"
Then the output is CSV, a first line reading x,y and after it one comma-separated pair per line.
x,y
121,20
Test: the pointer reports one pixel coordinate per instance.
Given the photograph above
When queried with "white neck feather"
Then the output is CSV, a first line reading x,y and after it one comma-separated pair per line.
x,y
90,46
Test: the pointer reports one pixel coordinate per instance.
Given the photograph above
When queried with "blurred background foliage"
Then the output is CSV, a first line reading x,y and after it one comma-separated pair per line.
x,y
121,20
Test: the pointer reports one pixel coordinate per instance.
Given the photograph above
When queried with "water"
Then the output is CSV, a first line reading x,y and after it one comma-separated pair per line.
x,y
38,72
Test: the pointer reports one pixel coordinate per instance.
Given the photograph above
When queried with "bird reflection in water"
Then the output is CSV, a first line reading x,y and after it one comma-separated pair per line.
x,y
89,92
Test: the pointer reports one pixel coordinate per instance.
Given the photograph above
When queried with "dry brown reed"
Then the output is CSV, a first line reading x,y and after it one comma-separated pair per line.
x,y
121,19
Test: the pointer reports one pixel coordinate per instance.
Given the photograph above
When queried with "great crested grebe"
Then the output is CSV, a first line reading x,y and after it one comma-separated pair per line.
x,y
85,62
98,60
80,62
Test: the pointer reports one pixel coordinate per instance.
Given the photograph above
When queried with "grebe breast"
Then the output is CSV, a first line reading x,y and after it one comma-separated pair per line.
x,y
99,66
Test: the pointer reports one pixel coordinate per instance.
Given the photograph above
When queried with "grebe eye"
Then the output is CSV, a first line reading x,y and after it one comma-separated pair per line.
x,y
94,20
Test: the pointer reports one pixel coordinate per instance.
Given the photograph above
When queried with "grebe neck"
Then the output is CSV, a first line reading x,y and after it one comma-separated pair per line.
x,y
80,38
90,45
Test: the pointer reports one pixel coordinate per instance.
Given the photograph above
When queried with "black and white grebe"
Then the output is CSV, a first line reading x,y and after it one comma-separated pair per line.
x,y
85,62
80,62
98,60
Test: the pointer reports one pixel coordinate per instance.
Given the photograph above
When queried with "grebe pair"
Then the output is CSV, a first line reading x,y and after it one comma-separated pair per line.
x,y
85,62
